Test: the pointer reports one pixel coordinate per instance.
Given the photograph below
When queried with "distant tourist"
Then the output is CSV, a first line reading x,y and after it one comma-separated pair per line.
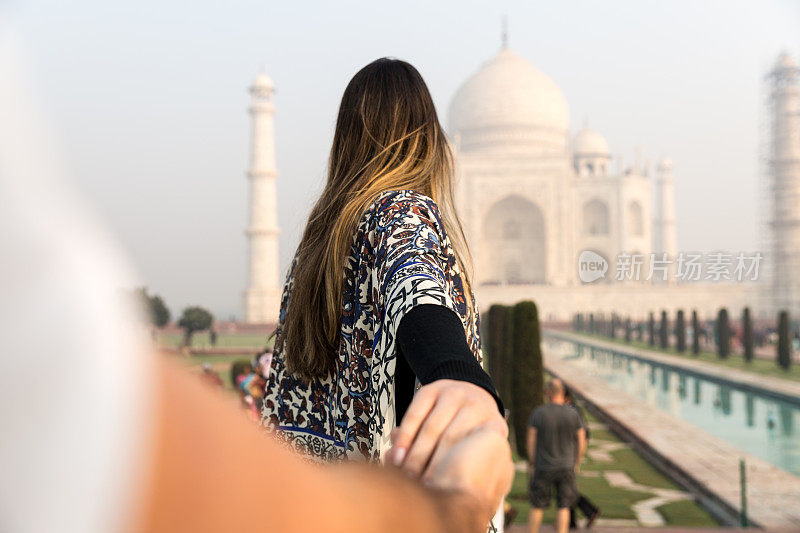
x,y
556,444
378,297
263,362
589,509
212,337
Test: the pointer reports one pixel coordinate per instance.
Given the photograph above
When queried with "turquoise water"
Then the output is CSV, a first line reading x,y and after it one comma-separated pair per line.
x,y
764,426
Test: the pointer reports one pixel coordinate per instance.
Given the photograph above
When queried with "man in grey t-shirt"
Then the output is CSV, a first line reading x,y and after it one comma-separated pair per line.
x,y
556,444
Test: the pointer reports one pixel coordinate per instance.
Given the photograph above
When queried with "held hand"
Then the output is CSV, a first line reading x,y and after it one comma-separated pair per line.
x,y
441,414
479,466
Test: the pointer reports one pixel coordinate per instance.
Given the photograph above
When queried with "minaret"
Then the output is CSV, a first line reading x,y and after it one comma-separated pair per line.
x,y
785,184
664,237
263,294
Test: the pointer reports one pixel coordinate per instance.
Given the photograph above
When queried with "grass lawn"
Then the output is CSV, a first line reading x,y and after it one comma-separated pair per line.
x,y
201,340
614,502
764,367
686,514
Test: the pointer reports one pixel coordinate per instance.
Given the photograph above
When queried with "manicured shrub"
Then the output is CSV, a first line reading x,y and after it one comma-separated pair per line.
x,y
651,329
723,333
784,341
495,348
747,335
695,333
591,323
663,332
628,329
680,331
528,371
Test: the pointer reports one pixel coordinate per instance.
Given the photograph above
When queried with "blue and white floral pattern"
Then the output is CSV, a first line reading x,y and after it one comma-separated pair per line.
x,y
401,258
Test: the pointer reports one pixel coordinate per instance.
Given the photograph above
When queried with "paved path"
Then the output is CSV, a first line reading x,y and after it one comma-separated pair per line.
x,y
710,463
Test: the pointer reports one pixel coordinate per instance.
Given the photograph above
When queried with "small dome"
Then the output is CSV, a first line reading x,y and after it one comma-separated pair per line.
x,y
665,165
510,97
590,143
263,81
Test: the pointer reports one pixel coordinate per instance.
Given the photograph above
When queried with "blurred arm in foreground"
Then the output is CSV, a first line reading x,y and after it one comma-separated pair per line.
x,y
215,471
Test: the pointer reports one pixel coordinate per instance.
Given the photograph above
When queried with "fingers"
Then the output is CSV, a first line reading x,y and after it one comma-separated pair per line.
x,y
462,425
440,414
403,435
429,435
478,464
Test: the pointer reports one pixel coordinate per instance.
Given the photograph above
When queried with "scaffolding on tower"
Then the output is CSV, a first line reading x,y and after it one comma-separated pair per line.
x,y
780,164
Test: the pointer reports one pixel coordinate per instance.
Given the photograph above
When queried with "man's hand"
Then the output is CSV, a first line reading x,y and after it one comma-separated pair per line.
x,y
440,416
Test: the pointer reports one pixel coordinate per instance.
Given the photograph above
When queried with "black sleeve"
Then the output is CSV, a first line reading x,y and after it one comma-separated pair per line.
x,y
433,346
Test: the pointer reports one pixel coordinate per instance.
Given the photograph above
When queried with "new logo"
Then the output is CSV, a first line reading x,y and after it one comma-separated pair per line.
x,y
591,266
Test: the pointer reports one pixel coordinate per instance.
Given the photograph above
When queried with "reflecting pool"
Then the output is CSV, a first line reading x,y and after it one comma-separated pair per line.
x,y
758,423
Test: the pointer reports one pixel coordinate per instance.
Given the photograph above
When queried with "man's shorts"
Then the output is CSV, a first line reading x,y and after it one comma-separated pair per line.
x,y
562,480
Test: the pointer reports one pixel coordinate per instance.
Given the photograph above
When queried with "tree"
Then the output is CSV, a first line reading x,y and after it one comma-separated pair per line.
x,y
613,331
192,320
784,341
591,323
157,312
723,334
651,329
696,333
680,331
495,346
747,335
528,374
663,332
628,328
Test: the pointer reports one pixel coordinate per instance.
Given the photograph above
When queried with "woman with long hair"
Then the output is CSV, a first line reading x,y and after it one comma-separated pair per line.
x,y
377,309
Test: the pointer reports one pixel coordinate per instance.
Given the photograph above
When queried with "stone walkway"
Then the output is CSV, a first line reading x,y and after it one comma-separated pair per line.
x,y
709,464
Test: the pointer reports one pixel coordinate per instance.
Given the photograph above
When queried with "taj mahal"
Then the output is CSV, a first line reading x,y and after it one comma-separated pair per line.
x,y
532,196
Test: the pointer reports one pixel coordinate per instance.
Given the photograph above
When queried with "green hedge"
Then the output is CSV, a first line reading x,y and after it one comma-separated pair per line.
x,y
527,379
784,341
680,331
696,336
723,334
747,335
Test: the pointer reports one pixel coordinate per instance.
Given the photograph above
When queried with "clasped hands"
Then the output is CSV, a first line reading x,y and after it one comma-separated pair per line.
x,y
453,438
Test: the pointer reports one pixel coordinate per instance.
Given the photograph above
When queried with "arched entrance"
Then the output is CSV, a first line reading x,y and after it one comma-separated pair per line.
x,y
514,244
595,218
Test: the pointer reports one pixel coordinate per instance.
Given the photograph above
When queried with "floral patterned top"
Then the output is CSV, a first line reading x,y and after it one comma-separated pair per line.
x,y
400,258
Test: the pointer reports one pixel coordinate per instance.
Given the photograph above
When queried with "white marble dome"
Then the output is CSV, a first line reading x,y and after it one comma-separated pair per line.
x,y
511,99
590,143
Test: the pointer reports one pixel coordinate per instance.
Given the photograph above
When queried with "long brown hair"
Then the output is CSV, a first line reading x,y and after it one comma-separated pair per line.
x,y
387,137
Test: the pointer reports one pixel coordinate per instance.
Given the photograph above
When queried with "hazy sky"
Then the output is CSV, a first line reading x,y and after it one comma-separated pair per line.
x,y
149,101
